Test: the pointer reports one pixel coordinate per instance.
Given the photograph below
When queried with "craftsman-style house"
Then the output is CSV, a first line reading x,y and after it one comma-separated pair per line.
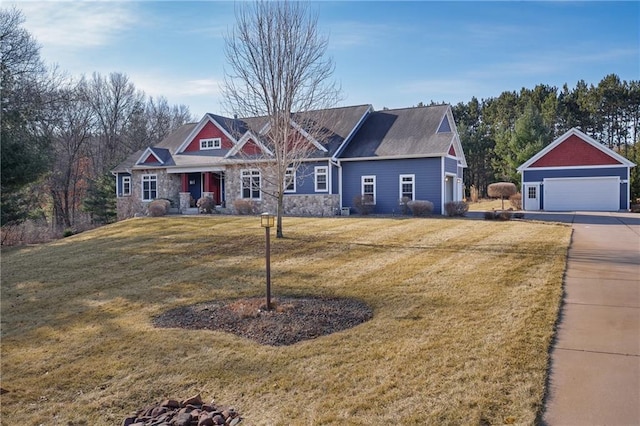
x,y
386,156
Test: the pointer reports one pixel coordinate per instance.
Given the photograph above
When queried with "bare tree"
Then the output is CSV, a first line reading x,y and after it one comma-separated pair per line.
x,y
278,73
68,126
114,100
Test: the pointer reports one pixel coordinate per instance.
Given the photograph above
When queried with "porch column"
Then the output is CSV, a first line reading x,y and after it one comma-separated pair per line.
x,y
185,182
207,181
185,201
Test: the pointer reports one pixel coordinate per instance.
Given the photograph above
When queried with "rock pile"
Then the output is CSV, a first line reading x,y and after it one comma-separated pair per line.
x,y
190,412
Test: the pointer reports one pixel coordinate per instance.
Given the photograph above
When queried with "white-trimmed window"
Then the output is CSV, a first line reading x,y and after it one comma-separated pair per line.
x,y
212,143
321,174
532,192
290,180
149,187
251,184
407,187
126,185
369,189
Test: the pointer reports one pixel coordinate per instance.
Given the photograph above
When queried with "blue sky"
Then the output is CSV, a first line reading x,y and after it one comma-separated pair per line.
x,y
389,54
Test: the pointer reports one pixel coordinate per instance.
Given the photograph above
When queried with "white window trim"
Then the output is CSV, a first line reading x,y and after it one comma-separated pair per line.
x,y
375,189
149,178
413,186
216,143
126,179
250,174
321,170
290,171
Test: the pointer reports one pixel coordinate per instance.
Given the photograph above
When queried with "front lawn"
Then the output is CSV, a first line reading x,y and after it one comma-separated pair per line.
x,y
463,316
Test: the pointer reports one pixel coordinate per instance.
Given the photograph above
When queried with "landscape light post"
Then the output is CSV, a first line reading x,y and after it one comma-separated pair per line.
x,y
267,221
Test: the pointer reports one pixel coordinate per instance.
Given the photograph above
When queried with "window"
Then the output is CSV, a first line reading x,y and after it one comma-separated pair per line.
x,y
126,185
149,187
369,189
321,174
251,184
532,193
290,180
213,143
407,187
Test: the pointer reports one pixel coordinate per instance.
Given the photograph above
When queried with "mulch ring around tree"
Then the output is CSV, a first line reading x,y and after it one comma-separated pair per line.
x,y
290,319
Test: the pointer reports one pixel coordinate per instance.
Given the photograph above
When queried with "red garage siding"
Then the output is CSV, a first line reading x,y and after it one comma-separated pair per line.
x,y
574,152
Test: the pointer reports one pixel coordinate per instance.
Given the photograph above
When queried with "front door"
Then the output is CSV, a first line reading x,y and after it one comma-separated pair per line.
x,y
531,197
195,185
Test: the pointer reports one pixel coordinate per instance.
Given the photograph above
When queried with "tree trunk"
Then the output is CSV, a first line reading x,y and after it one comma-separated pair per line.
x,y
280,209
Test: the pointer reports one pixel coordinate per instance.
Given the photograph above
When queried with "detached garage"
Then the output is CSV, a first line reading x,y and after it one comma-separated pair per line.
x,y
576,172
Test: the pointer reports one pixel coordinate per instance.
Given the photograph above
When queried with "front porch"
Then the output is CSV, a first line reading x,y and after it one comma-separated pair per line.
x,y
196,185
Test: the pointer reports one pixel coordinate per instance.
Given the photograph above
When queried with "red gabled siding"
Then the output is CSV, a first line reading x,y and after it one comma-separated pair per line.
x,y
574,152
209,131
251,148
452,151
150,159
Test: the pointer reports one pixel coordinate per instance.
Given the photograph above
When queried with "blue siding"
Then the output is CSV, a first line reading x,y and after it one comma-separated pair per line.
x,y
460,172
119,183
624,201
428,181
533,175
335,179
306,185
451,165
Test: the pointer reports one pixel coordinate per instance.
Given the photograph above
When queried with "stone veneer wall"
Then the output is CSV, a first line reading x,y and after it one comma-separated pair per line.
x,y
168,186
311,205
294,204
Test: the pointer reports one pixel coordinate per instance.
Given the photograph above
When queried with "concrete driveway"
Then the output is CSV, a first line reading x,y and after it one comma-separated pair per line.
x,y
595,359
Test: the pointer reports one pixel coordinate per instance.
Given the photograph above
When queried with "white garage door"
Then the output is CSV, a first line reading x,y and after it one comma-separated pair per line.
x,y
595,194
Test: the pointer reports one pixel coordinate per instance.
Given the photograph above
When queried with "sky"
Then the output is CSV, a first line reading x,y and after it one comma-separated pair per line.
x,y
386,53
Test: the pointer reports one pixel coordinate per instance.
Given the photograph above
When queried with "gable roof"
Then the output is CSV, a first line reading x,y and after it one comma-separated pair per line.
x,y
408,132
573,149
352,132
155,155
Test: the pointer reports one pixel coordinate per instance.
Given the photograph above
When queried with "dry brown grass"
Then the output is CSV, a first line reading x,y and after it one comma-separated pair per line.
x,y
463,318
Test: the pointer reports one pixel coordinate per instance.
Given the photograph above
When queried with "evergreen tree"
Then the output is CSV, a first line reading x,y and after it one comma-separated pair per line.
x,y
100,201
514,147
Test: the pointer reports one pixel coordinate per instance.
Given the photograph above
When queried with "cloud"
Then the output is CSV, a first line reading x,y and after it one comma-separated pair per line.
x,y
174,86
77,24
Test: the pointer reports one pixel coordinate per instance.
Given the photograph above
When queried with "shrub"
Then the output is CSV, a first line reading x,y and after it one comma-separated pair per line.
x,y
474,194
420,207
364,204
502,190
159,207
505,215
67,232
516,201
245,207
490,215
456,208
500,215
206,205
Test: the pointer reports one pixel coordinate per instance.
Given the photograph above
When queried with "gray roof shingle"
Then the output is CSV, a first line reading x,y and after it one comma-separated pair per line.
x,y
401,132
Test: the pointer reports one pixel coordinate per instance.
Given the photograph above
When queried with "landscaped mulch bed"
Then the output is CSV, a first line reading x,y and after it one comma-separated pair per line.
x,y
290,319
